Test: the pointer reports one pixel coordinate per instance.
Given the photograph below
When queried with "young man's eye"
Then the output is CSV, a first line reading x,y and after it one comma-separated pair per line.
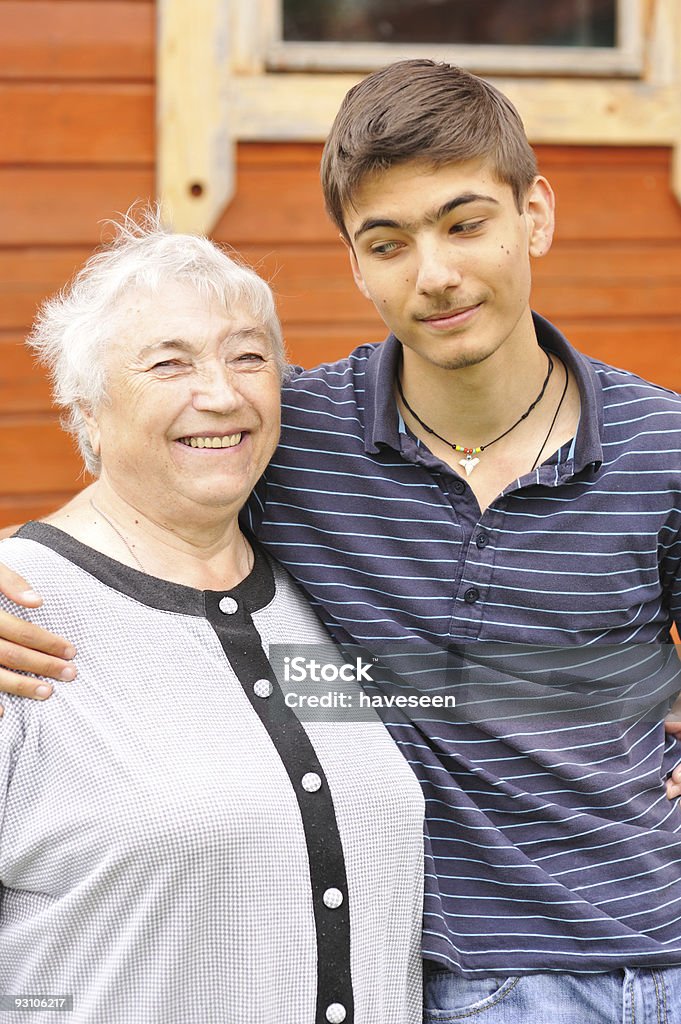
x,y
384,248
466,227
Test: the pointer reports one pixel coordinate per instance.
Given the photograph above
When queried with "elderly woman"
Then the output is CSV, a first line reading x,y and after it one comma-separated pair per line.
x,y
197,853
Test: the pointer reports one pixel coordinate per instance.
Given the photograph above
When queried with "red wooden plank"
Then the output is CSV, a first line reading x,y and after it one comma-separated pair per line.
x,y
606,299
36,456
29,275
15,511
77,123
79,39
65,207
633,261
602,156
548,157
23,385
647,347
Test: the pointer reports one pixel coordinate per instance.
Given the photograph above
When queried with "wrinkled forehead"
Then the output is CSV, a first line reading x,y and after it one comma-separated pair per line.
x,y
177,296
180,310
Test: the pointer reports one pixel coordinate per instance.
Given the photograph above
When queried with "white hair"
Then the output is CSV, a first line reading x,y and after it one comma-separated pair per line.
x,y
72,329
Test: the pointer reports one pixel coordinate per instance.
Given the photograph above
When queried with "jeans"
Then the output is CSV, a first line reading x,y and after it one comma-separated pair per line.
x,y
640,996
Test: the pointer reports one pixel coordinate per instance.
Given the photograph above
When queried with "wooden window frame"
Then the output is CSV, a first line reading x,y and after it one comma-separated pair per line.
x,y
214,88
623,59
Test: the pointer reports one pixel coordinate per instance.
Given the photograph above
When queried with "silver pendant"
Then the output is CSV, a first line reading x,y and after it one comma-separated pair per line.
x,y
469,464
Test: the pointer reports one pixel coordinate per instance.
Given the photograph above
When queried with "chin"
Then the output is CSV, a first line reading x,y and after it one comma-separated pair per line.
x,y
453,352
459,360
215,499
223,502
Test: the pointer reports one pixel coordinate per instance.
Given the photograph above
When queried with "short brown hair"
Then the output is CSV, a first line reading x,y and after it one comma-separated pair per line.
x,y
422,110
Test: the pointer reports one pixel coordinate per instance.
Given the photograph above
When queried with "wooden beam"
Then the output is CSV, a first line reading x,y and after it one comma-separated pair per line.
x,y
556,111
607,62
672,16
195,152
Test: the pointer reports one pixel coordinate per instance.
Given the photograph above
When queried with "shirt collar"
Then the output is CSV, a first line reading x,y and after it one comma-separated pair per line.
x,y
253,593
382,422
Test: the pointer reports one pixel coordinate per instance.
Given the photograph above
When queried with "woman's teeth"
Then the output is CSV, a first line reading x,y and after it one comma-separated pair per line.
x,y
226,441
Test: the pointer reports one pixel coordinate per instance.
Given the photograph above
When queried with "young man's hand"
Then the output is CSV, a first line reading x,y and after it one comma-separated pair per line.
x,y
672,725
674,784
25,647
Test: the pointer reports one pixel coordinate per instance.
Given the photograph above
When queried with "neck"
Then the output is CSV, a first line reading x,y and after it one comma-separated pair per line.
x,y
472,404
211,554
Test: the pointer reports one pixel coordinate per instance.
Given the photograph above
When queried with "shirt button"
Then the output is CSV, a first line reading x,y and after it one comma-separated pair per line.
x,y
482,540
311,782
228,605
332,898
458,487
263,688
471,595
335,1014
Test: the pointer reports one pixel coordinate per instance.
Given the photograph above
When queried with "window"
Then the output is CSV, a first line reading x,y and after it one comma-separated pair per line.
x,y
554,37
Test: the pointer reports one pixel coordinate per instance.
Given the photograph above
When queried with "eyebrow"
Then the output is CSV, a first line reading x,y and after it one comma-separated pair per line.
x,y
246,333
243,334
177,343
430,218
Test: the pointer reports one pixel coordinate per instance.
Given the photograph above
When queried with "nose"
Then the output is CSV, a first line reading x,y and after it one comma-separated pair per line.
x,y
438,268
217,390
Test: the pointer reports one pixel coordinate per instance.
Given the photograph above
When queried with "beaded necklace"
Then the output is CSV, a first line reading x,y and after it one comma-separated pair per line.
x,y
469,461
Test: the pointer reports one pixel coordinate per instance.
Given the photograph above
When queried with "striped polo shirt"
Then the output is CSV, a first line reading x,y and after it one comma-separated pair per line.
x,y
550,844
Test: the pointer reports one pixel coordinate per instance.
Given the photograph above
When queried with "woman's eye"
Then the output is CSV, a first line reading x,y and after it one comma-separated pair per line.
x,y
168,364
247,357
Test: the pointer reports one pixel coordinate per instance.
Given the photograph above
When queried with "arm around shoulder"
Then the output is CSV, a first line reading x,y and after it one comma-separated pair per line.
x,y
26,647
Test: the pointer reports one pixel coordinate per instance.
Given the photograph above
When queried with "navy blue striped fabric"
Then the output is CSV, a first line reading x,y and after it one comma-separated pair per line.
x,y
550,843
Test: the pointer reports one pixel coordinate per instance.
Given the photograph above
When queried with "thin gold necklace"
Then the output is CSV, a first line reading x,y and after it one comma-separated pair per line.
x,y
250,556
118,534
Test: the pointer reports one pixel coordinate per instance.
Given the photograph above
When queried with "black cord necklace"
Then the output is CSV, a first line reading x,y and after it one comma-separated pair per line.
x,y
469,462
553,421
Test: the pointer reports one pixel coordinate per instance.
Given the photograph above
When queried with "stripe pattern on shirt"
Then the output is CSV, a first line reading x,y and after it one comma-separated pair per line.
x,y
553,850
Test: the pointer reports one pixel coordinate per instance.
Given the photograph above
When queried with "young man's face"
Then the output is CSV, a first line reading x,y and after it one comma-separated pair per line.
x,y
444,255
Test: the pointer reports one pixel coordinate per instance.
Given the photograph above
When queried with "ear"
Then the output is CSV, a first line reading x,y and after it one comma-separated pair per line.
x,y
92,427
540,206
354,265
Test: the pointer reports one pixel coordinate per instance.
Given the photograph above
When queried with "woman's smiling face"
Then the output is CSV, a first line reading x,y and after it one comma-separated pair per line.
x,y
193,409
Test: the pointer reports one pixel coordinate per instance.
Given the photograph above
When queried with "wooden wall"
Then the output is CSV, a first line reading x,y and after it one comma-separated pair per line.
x,y
77,116
77,122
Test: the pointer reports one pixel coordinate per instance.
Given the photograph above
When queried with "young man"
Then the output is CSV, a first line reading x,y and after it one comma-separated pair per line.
x,y
475,481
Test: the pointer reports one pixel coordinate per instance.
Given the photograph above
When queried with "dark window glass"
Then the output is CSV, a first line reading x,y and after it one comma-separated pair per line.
x,y
487,22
